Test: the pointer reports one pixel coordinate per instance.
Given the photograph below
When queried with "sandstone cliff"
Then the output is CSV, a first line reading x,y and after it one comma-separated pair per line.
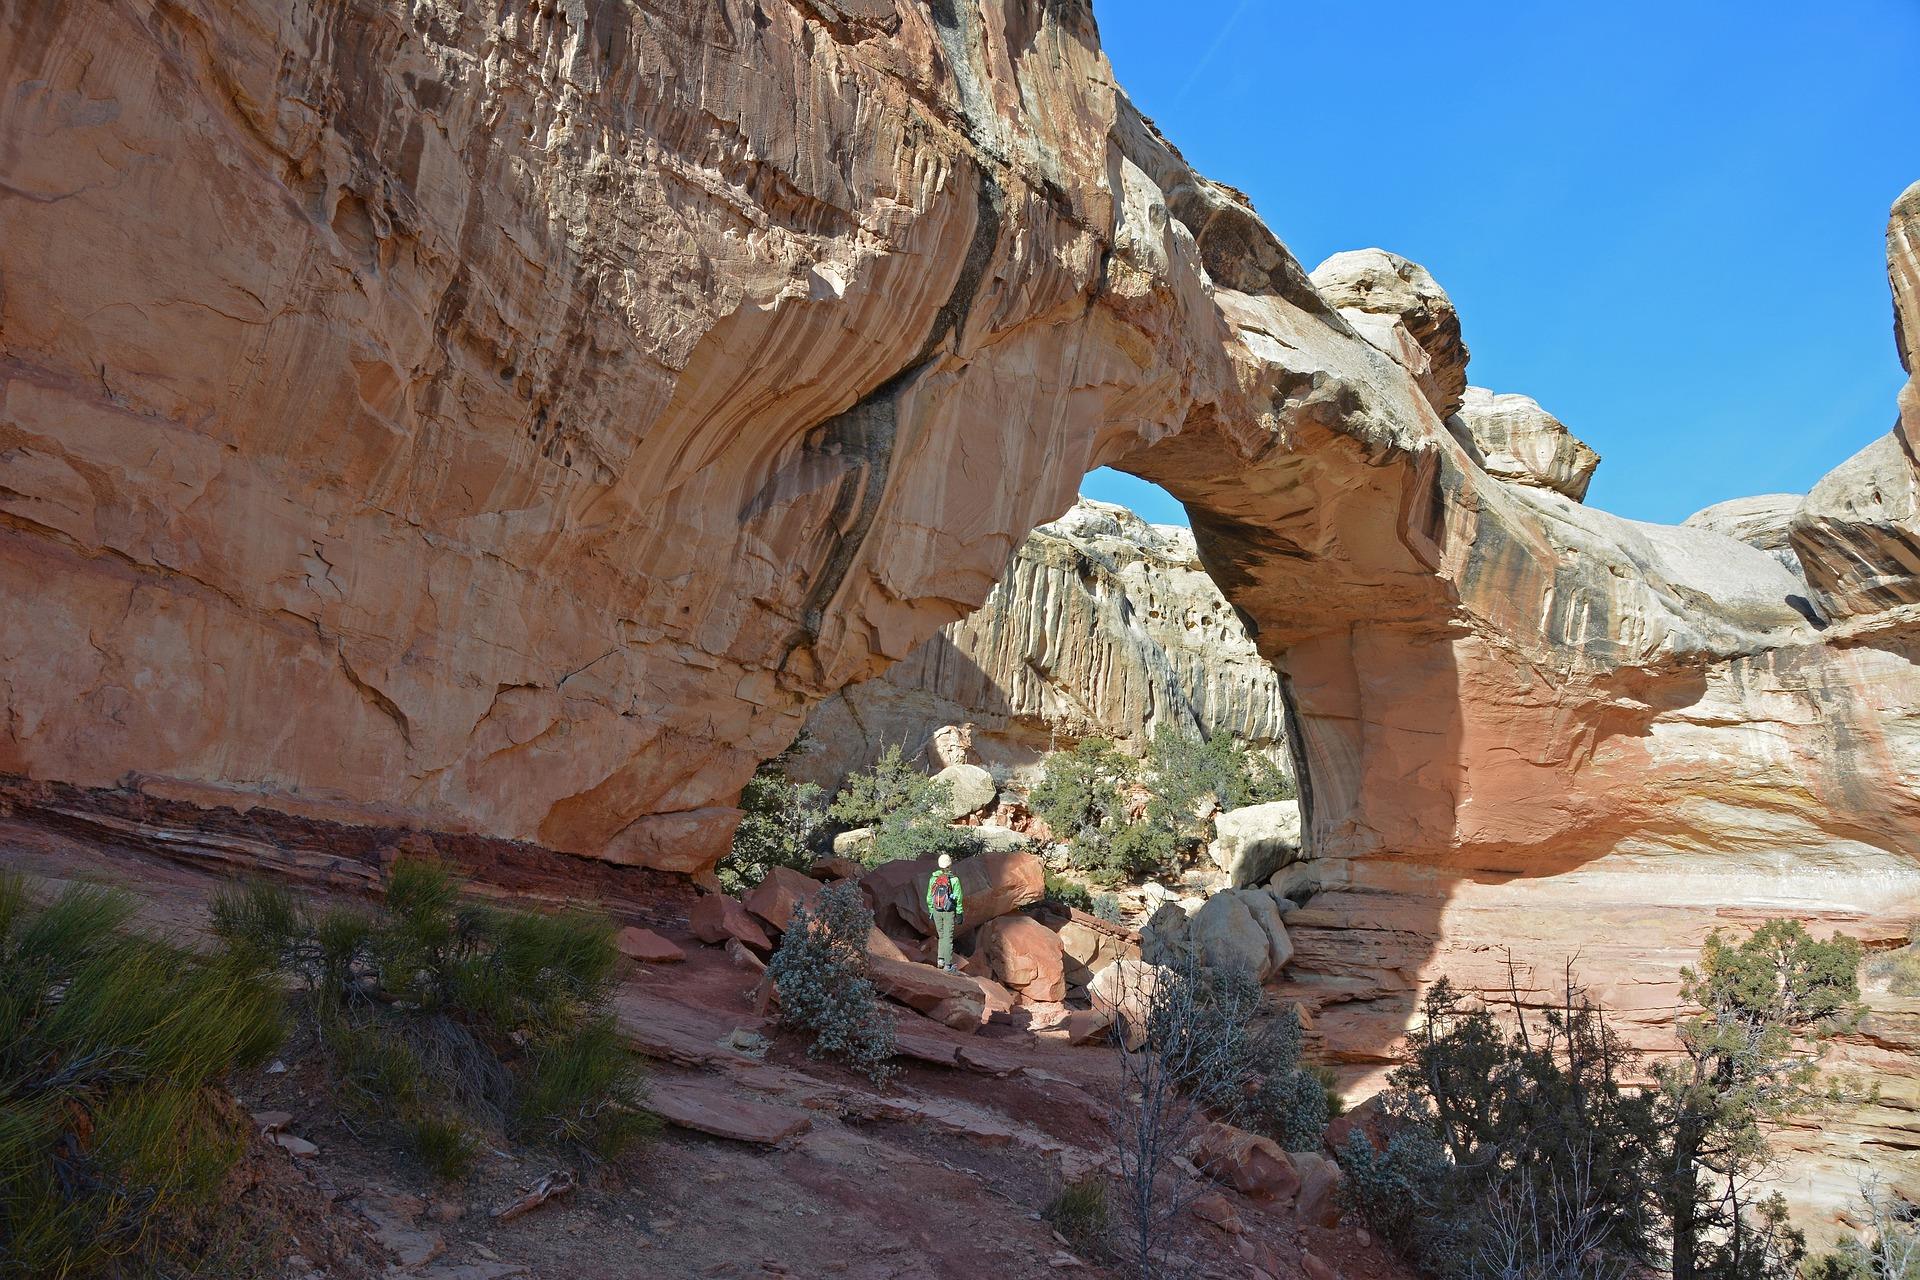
x,y
1102,625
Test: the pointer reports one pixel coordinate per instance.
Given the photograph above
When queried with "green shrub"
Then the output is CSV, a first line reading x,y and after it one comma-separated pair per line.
x,y
1079,1212
1900,969
1067,893
114,1140
445,1021
1407,1196
820,972
782,824
1107,907
907,811
1081,796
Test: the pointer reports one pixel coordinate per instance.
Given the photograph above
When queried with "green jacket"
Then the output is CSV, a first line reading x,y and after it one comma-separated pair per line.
x,y
953,879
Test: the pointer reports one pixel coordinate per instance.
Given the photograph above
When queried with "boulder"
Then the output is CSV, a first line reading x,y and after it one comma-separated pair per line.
x,y
1252,1165
924,988
1252,843
1125,991
837,867
973,788
1516,440
1227,934
716,918
1164,937
1373,282
707,1108
647,946
1764,521
777,897
1856,532
994,838
879,944
1317,1203
1266,910
1216,1210
851,844
1368,1119
1025,955
1089,944
991,885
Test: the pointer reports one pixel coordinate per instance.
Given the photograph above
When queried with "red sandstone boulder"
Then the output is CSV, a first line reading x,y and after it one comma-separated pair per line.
x,y
991,885
776,898
1090,944
1024,954
716,918
647,946
1216,1210
879,944
924,988
836,867
1250,1164
1369,1118
1318,1202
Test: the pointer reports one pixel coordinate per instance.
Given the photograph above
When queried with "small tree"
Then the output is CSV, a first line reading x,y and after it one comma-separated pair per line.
x,y
909,813
781,827
1081,796
1749,1059
820,972
1522,1151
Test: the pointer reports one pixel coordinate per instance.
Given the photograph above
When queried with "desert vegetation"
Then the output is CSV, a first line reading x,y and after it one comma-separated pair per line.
x,y
450,1024
820,973
1525,1149
1212,1050
1124,818
114,1135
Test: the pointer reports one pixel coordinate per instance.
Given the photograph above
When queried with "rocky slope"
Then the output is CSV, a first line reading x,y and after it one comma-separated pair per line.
x,y
512,421
1102,625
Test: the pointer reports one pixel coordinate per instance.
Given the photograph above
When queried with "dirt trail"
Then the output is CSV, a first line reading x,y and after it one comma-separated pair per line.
x,y
940,1175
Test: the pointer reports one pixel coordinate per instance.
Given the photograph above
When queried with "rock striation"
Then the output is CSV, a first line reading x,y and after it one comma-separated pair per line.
x,y
1514,439
1102,625
513,420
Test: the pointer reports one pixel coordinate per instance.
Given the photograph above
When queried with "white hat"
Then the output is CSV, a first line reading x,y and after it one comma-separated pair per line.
x,y
945,861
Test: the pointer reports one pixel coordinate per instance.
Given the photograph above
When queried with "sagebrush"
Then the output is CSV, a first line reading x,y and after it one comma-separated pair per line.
x,y
820,973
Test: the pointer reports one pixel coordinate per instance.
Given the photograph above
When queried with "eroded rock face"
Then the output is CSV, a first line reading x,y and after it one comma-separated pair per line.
x,y
1518,441
1399,307
512,422
1103,625
1764,521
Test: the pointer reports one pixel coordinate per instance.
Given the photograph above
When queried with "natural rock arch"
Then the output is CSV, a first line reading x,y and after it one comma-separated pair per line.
x,y
509,423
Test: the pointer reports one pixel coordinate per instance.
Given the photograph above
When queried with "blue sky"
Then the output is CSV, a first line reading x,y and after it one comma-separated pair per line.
x,y
1665,222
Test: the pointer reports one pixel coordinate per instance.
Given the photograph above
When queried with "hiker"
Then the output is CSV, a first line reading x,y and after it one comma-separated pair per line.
x,y
944,905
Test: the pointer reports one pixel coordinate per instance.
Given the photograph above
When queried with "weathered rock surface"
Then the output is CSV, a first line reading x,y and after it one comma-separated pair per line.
x,y
1124,990
1764,521
973,788
1026,955
1102,625
1518,441
511,423
1252,843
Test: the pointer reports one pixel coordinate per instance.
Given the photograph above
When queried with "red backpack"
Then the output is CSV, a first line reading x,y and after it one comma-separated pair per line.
x,y
942,892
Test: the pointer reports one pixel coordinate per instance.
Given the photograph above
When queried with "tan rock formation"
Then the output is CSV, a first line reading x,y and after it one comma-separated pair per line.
x,y
1516,440
1398,307
1103,625
511,420
1764,521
